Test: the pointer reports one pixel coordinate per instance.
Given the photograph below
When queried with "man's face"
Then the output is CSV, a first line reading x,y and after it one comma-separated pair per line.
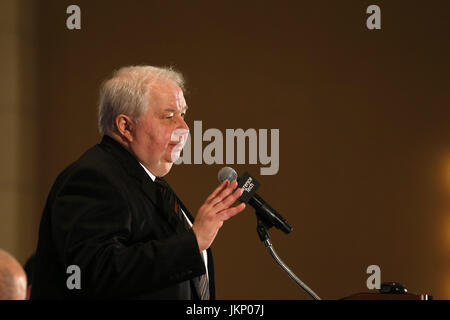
x,y
160,134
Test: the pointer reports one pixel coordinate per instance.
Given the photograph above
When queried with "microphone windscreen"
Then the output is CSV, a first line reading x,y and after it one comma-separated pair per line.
x,y
227,173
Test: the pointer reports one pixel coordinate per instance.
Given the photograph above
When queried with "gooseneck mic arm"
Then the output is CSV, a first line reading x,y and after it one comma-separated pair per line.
x,y
264,236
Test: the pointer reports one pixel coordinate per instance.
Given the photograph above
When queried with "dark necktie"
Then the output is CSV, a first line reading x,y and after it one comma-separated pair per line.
x,y
172,202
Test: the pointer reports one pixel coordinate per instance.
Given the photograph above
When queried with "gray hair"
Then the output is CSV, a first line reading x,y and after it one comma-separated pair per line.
x,y
128,92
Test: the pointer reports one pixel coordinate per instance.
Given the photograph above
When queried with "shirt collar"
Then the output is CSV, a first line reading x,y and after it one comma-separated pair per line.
x,y
151,175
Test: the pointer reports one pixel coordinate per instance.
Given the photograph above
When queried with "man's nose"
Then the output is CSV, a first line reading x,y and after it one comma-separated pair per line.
x,y
182,124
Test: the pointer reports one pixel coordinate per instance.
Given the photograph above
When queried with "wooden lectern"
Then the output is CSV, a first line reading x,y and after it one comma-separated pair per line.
x,y
389,291
387,296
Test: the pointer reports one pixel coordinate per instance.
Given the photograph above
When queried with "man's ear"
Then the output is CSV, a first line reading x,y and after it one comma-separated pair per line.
x,y
125,127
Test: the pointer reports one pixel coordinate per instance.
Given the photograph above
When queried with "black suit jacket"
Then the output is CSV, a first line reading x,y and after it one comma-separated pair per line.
x,y
104,214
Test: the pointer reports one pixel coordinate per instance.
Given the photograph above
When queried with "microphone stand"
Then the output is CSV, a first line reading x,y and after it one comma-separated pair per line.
x,y
265,237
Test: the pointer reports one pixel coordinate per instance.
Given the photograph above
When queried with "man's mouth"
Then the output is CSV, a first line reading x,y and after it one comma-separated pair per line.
x,y
176,146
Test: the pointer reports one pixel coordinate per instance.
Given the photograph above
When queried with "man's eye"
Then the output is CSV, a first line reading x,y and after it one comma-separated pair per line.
x,y
169,116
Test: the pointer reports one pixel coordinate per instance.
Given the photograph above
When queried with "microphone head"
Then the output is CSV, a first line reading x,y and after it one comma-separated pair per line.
x,y
227,173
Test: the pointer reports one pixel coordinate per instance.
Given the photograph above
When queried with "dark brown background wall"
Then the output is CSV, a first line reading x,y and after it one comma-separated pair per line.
x,y
363,116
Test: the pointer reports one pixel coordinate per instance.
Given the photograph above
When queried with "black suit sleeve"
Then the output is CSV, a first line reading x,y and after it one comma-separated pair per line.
x,y
91,227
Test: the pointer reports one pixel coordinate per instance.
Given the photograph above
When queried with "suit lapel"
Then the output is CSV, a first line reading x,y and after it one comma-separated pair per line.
x,y
133,168
151,190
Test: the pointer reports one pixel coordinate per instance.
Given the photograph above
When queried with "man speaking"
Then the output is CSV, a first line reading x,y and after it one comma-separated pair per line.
x,y
111,217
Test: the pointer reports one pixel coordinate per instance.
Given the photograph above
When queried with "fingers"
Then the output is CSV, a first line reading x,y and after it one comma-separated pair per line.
x,y
221,187
229,199
230,212
221,196
214,211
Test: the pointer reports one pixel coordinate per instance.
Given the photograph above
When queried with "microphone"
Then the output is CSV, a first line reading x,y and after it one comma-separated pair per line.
x,y
249,184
